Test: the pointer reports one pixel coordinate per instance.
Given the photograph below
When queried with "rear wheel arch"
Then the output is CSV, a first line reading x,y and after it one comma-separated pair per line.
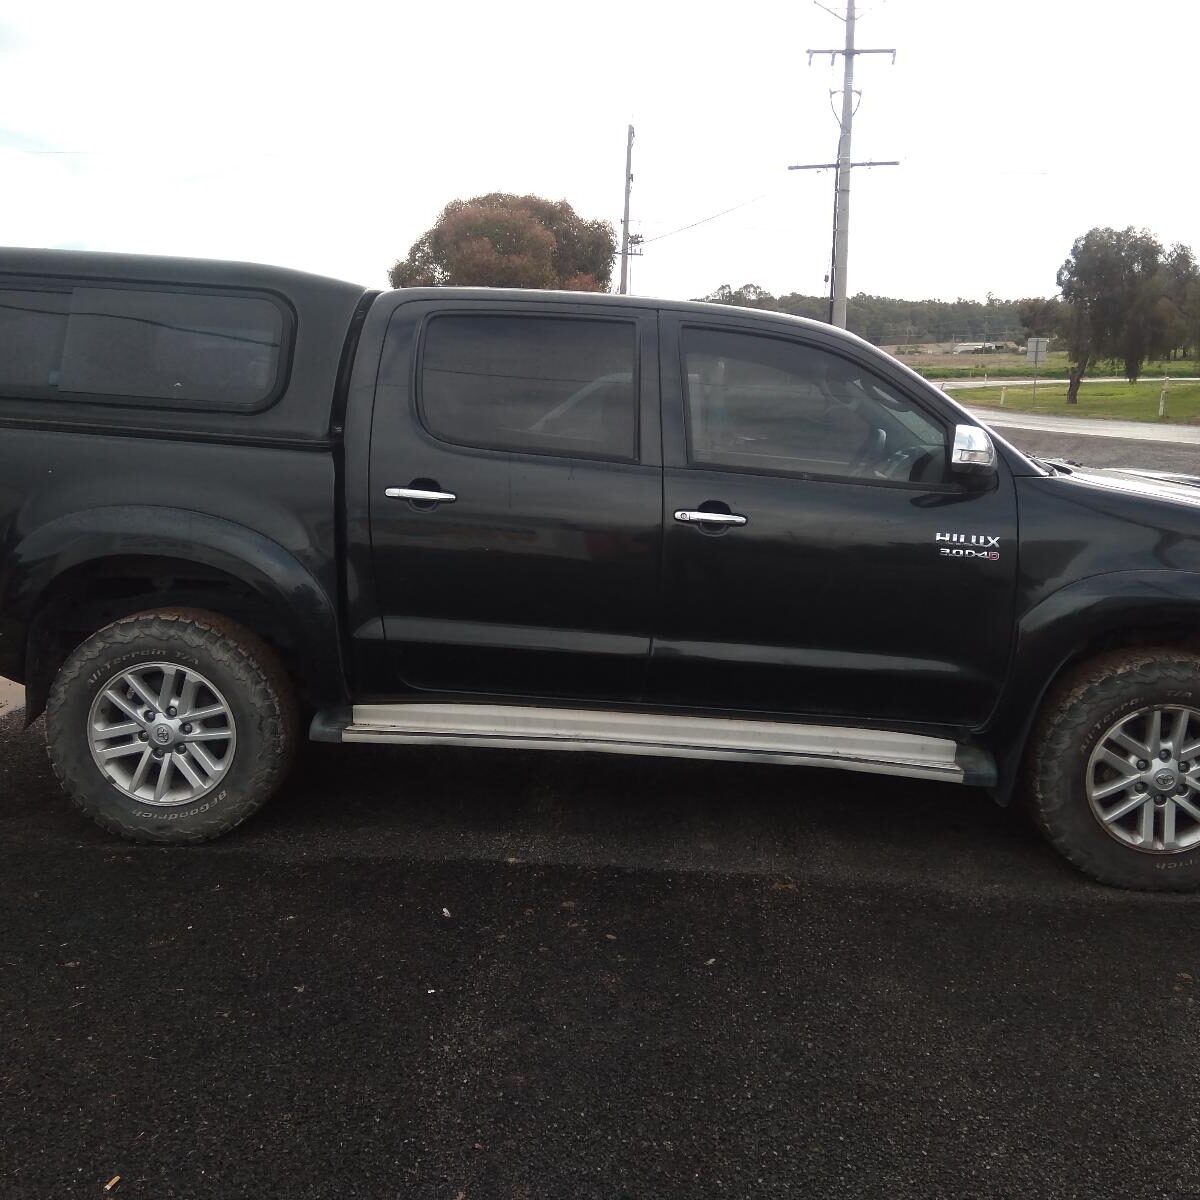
x,y
78,574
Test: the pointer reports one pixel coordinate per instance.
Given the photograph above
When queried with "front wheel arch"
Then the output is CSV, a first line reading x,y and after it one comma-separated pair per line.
x,y
1070,627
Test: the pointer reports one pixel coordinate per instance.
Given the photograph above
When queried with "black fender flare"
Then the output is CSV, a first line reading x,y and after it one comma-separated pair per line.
x,y
272,573
1054,632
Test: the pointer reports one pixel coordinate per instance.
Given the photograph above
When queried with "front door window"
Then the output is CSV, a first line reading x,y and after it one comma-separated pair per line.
x,y
773,406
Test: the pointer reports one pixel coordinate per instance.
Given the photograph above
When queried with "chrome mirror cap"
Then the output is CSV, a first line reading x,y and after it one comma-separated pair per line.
x,y
973,452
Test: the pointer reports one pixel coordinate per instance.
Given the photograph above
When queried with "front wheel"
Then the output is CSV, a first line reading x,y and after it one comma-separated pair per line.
x,y
172,726
1115,770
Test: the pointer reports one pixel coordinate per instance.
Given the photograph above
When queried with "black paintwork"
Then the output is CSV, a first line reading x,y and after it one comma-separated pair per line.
x,y
542,577
567,579
801,610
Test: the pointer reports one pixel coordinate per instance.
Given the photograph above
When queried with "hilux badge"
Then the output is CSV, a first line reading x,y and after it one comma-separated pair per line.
x,y
968,545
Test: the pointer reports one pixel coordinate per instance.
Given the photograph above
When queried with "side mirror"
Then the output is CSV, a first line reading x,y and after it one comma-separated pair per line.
x,y
973,455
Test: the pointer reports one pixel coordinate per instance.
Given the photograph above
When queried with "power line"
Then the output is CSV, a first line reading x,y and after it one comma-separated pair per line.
x,y
704,220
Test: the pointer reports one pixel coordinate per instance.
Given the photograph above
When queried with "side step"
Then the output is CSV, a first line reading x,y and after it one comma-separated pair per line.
x,y
883,752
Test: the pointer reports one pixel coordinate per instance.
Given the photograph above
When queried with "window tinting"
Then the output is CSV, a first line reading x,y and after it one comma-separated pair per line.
x,y
32,328
116,343
221,350
773,405
547,385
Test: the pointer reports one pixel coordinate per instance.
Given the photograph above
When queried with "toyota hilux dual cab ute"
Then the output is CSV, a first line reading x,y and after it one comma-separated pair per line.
x,y
239,504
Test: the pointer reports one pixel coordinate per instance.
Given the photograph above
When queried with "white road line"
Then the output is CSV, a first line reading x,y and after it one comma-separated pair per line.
x,y
1138,431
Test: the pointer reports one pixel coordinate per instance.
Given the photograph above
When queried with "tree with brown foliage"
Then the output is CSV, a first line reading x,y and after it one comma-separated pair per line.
x,y
502,240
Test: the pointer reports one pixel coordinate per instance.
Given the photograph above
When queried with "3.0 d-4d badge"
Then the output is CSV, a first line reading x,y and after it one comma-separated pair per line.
x,y
968,545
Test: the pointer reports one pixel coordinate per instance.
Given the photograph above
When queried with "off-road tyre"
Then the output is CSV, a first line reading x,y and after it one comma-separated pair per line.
x,y
250,677
1072,721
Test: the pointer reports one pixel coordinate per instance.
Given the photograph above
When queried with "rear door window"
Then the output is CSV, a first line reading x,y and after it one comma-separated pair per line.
x,y
543,385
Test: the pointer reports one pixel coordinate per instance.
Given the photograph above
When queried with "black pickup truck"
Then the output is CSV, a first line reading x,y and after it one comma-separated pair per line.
x,y
238,503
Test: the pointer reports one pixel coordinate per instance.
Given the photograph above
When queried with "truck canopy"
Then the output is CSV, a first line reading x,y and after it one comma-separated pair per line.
x,y
205,347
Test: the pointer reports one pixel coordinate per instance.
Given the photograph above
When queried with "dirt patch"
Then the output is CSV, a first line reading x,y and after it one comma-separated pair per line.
x,y
12,695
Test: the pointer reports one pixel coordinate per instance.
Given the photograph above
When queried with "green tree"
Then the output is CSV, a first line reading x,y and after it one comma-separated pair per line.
x,y
503,240
1176,310
1191,316
1110,283
1039,317
884,319
749,295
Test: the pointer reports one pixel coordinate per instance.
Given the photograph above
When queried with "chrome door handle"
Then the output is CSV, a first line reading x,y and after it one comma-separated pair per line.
x,y
420,494
688,515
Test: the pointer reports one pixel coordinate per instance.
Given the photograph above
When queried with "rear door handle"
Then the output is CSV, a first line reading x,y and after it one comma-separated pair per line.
x,y
688,515
420,494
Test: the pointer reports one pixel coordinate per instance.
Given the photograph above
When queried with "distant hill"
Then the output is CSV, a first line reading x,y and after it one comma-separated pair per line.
x,y
888,321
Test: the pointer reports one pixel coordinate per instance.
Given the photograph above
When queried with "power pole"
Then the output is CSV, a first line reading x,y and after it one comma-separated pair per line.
x,y
841,210
625,218
891,162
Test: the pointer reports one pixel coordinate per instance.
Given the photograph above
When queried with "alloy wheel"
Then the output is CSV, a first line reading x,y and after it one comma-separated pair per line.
x,y
1143,780
162,734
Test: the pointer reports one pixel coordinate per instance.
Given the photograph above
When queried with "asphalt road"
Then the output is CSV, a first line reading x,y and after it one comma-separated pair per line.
x,y
1131,432
1096,451
477,974
482,974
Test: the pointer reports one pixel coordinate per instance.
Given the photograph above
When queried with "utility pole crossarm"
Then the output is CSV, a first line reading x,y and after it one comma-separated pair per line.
x,y
891,162
834,53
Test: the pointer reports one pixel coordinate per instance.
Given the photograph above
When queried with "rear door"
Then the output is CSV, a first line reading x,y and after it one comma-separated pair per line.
x,y
515,497
818,557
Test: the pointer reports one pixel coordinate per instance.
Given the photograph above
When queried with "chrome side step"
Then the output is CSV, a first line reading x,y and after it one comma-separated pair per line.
x,y
883,752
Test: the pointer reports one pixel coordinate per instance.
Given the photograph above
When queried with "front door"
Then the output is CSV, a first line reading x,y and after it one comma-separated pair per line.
x,y
515,497
807,505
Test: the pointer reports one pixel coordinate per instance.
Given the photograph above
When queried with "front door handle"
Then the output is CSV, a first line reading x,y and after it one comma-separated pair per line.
x,y
688,515
420,494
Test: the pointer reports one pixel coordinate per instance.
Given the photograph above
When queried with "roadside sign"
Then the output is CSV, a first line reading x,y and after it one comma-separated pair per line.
x,y
1035,353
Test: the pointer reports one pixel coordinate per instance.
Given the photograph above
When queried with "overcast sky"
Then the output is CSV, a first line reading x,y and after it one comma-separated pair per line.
x,y
328,136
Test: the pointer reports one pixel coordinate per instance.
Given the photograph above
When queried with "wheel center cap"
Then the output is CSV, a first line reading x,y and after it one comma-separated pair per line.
x,y
164,735
1165,780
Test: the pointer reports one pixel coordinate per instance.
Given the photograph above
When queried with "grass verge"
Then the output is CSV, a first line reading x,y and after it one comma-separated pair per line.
x,y
1116,401
1016,366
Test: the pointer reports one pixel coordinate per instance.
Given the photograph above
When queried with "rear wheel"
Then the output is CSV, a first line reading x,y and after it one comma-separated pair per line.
x,y
172,726
1115,770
